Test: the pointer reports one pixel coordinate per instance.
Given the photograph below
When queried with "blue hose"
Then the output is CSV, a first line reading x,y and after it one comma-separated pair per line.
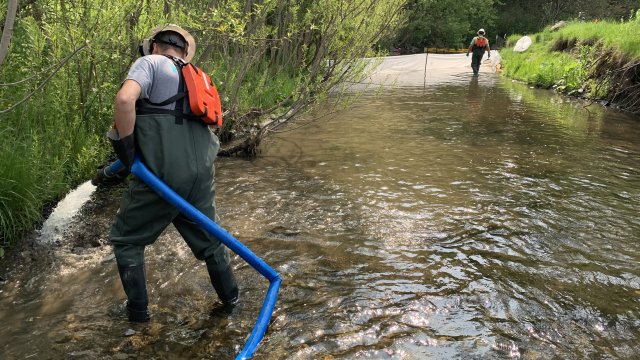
x,y
142,172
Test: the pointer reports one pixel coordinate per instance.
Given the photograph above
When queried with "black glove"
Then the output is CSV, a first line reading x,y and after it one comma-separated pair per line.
x,y
106,178
125,147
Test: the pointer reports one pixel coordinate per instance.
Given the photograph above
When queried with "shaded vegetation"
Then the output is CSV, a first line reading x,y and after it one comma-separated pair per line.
x,y
443,23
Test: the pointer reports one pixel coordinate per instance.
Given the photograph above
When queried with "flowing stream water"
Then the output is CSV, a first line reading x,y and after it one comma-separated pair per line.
x,y
471,219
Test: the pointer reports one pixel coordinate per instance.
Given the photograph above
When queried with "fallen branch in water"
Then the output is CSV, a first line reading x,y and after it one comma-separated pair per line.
x,y
248,144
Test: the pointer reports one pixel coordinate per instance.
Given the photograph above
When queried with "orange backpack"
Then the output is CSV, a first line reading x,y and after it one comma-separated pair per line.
x,y
481,42
204,101
203,95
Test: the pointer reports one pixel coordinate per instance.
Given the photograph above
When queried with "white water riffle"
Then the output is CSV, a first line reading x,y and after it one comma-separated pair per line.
x,y
53,228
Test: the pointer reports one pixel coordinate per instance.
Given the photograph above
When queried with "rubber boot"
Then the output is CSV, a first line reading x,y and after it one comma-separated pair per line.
x,y
134,284
224,283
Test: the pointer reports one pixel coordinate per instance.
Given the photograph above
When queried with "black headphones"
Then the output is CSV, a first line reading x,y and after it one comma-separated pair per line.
x,y
170,38
166,37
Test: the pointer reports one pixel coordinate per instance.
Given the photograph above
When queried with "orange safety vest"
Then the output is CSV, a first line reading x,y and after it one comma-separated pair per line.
x,y
481,42
204,101
203,95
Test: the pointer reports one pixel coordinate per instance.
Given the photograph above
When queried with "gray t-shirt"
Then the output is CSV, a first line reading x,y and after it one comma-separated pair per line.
x,y
158,78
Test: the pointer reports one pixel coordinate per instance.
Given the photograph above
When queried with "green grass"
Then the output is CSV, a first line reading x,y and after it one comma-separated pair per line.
x,y
539,67
624,37
621,36
266,90
570,70
40,163
53,141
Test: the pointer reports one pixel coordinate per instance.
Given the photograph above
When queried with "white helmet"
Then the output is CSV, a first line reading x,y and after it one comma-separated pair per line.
x,y
481,31
189,47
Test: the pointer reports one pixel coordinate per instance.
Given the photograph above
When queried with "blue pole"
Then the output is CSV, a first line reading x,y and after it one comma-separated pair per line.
x,y
142,172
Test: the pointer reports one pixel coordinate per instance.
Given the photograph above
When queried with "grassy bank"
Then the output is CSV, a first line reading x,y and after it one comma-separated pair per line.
x,y
596,60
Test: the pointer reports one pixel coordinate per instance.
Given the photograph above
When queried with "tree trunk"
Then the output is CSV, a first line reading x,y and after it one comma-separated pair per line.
x,y
8,29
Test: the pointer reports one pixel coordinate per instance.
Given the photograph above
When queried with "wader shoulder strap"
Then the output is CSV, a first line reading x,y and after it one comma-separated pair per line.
x,y
143,108
168,101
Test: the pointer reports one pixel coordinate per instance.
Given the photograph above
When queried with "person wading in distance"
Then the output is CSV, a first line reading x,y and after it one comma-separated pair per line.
x,y
478,46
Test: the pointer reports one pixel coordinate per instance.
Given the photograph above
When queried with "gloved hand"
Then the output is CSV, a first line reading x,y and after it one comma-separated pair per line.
x,y
105,178
124,147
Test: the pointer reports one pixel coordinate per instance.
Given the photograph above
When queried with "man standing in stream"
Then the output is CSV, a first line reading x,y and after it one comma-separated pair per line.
x,y
152,120
478,46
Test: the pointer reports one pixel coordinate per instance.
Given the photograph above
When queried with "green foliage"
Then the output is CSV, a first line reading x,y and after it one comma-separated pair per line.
x,y
273,89
65,76
67,60
517,17
538,67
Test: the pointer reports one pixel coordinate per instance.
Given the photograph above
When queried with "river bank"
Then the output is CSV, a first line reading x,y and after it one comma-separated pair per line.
x,y
75,226
598,61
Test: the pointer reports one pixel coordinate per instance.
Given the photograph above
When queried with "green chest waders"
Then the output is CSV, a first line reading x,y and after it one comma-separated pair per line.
x,y
182,154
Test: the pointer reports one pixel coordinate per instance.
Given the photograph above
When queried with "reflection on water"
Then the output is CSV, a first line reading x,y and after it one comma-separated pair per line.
x,y
475,219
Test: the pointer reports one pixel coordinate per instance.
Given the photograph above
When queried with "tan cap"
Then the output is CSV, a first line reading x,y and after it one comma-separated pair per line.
x,y
191,43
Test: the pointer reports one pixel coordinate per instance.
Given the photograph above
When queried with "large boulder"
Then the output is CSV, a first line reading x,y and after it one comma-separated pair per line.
x,y
522,44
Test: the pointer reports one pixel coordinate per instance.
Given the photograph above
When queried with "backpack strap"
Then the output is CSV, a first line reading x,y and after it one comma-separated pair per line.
x,y
172,99
142,107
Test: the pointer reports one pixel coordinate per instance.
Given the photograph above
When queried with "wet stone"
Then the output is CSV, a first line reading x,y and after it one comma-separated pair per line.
x,y
63,337
95,242
27,255
77,250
